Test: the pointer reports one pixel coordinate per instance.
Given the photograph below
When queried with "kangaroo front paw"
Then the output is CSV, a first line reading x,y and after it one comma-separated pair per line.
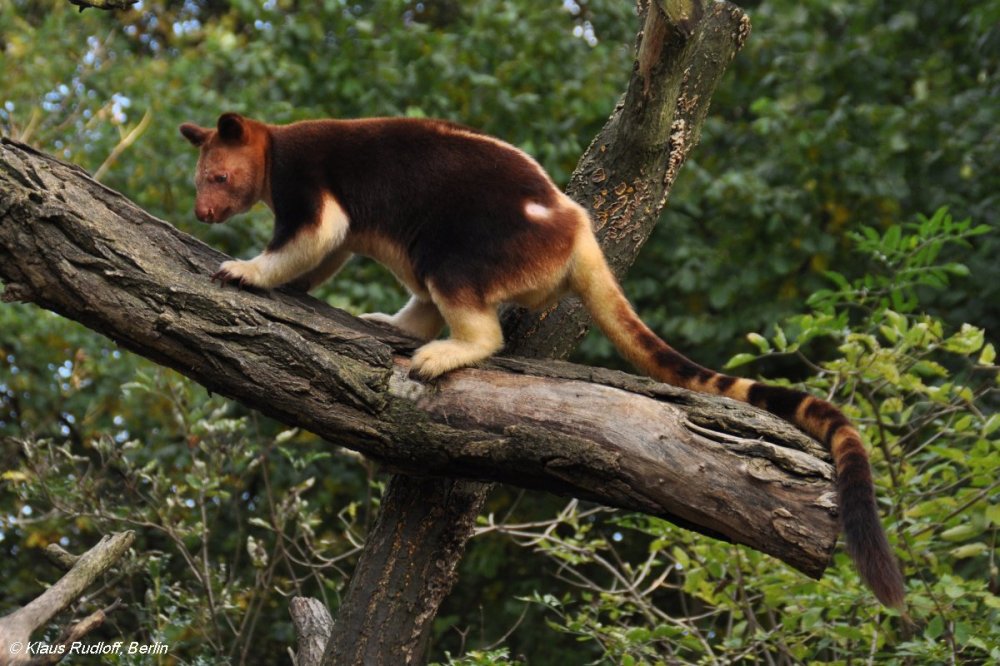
x,y
243,273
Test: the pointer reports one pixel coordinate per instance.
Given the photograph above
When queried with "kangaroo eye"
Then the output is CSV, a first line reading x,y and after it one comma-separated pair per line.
x,y
221,177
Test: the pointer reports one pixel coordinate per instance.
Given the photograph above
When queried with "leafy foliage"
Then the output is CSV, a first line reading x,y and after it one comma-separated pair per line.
x,y
921,394
225,527
835,115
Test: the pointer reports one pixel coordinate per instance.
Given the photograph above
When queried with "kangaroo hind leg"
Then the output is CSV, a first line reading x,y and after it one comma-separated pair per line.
x,y
475,335
419,317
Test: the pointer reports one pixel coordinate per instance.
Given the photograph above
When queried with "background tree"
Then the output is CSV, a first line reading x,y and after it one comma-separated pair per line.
x,y
838,116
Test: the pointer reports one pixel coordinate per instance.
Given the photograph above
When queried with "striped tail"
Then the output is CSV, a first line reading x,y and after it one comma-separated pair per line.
x,y
867,545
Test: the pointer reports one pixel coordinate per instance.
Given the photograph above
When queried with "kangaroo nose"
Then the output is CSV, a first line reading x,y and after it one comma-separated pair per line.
x,y
204,213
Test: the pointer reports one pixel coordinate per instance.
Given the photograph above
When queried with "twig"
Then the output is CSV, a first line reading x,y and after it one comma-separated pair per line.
x,y
123,145
18,626
59,557
107,5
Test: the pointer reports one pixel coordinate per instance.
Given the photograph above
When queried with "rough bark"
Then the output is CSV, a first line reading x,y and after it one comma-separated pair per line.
x,y
16,628
407,568
312,628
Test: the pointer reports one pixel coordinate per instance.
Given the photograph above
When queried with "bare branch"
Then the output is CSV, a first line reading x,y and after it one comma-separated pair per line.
x,y
123,145
17,627
59,557
313,625
107,5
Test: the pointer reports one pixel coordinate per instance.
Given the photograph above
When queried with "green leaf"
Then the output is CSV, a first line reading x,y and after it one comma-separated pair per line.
x,y
992,514
891,239
740,359
934,628
779,338
968,340
681,557
991,425
969,550
960,532
988,355
638,635
759,341
956,268
837,279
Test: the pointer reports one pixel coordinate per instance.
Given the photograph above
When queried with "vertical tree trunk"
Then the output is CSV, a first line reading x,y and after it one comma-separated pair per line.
x,y
625,176
412,553
407,568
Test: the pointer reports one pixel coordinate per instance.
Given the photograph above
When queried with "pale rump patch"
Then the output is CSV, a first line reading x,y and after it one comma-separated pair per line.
x,y
303,253
537,211
543,278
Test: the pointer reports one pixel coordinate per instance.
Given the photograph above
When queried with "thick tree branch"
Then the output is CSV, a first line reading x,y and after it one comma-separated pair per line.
x,y
73,246
17,627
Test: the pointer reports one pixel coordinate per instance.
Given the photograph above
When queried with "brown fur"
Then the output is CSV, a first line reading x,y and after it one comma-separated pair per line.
x,y
468,222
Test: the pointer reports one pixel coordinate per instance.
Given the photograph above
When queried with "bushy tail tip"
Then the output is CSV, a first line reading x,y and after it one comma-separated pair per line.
x,y
866,541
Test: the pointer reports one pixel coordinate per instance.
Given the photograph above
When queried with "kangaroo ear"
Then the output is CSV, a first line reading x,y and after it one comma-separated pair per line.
x,y
233,128
196,135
